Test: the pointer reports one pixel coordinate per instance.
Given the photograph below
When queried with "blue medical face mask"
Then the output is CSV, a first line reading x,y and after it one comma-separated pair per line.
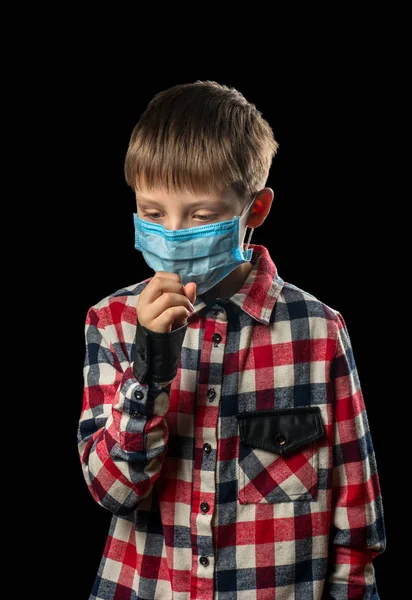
x,y
204,254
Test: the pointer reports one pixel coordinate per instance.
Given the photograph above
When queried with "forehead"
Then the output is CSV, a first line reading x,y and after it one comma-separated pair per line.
x,y
164,199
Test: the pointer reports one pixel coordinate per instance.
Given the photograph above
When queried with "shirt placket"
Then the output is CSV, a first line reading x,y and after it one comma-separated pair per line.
x,y
206,442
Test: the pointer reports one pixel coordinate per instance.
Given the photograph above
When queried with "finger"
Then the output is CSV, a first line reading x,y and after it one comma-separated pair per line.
x,y
166,301
190,291
158,286
172,314
168,275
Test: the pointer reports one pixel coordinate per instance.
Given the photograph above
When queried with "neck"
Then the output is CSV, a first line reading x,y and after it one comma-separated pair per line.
x,y
230,284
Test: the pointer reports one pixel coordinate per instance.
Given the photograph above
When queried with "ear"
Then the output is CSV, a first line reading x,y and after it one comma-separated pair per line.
x,y
260,208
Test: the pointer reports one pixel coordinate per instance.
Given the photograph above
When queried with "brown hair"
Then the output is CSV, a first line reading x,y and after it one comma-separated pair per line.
x,y
202,137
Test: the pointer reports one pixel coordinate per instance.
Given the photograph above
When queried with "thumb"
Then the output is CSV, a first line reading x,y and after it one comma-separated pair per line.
x,y
190,291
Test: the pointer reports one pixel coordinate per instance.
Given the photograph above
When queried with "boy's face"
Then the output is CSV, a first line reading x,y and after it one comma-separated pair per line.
x,y
184,210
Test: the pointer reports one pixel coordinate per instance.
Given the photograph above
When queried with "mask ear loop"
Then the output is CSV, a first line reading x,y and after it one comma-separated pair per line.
x,y
251,228
248,240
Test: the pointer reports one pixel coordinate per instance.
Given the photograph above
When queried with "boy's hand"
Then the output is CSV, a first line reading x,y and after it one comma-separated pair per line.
x,y
165,304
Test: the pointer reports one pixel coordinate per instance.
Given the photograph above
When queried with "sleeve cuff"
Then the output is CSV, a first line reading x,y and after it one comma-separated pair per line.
x,y
157,354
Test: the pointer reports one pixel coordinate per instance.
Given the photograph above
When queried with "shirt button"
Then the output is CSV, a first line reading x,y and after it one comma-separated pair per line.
x,y
215,311
136,413
138,395
216,337
204,507
211,394
207,448
204,561
280,439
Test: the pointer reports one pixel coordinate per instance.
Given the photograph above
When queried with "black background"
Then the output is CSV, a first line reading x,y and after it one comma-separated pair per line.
x,y
318,233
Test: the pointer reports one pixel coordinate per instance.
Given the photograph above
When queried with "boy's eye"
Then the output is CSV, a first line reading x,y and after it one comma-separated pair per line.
x,y
205,217
151,215
157,216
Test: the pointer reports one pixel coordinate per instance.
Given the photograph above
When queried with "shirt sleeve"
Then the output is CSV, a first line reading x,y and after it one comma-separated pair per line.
x,y
122,433
357,532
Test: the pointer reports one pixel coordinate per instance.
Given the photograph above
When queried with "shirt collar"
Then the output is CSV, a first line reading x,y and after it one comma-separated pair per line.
x,y
259,292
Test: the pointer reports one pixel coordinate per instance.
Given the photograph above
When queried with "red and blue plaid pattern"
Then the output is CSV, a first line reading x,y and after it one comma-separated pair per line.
x,y
198,513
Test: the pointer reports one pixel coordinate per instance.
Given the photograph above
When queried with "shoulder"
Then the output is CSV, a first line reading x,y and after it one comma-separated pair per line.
x,y
118,306
296,303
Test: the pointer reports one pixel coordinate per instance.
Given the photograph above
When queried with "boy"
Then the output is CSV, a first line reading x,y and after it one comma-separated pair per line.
x,y
223,422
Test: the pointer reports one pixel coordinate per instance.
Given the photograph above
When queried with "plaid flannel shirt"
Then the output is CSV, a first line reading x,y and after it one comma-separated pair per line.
x,y
252,476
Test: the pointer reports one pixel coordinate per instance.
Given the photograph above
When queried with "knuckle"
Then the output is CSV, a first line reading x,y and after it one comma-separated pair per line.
x,y
169,312
168,274
175,276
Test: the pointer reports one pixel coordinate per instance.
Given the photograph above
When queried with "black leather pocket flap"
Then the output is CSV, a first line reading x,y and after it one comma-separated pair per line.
x,y
281,430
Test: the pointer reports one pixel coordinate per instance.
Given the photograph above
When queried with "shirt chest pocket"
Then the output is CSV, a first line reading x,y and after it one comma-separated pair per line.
x,y
278,455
